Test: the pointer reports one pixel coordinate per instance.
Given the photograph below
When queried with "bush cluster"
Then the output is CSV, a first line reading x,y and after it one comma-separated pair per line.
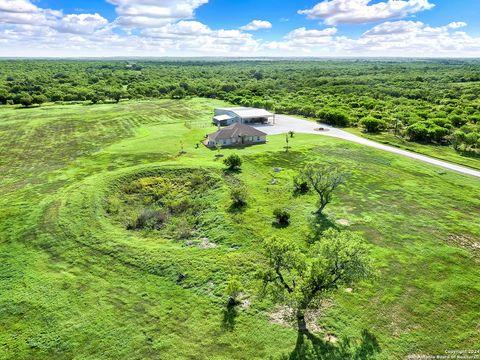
x,y
148,218
282,216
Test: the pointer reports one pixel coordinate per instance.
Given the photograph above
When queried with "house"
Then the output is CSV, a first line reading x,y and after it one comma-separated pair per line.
x,y
242,115
236,135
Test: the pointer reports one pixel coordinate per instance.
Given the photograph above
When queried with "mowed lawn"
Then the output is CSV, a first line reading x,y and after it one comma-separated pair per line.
x,y
74,283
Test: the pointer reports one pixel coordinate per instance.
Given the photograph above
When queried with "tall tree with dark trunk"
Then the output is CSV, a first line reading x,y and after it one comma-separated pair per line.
x,y
300,277
323,179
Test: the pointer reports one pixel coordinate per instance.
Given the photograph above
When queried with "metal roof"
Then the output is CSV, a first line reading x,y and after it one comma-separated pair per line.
x,y
245,113
236,130
222,117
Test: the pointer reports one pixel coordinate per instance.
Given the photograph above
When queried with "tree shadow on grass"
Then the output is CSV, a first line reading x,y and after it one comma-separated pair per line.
x,y
237,208
469,154
278,225
230,314
232,171
318,225
309,346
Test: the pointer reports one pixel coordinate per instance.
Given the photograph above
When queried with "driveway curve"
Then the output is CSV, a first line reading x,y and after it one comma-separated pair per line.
x,y
284,124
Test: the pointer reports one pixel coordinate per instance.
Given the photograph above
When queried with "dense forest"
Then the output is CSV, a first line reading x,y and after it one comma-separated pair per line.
x,y
428,101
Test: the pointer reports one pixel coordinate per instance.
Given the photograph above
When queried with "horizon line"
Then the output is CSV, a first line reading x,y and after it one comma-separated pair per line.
x,y
251,58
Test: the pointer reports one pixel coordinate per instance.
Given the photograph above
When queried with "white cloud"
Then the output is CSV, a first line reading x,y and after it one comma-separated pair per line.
x,y
17,6
334,12
25,12
303,33
198,37
392,28
457,24
169,29
304,40
182,28
257,25
44,32
81,23
397,38
154,13
414,38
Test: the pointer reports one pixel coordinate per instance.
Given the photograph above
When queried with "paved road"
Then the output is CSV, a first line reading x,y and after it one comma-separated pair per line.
x,y
284,124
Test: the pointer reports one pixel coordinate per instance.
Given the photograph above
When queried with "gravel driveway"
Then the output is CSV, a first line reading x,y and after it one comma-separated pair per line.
x,y
284,124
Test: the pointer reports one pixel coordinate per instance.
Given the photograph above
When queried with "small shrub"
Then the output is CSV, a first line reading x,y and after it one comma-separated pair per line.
x,y
300,185
132,187
233,289
157,194
282,217
114,205
148,219
239,196
333,117
372,125
197,180
202,183
418,132
233,162
179,206
183,229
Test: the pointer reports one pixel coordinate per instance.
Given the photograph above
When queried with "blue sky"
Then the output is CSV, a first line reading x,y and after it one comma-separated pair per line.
x,y
444,12
442,28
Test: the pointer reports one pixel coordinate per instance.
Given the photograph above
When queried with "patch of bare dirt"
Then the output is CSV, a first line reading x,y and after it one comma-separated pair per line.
x,y
465,241
285,316
205,243
343,222
282,315
245,304
330,338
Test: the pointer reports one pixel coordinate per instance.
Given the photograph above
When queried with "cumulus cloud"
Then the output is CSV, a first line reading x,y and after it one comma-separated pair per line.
x,y
415,39
303,33
304,39
257,25
392,28
81,23
396,38
27,16
165,30
167,27
182,28
21,6
334,12
198,37
457,24
26,13
154,13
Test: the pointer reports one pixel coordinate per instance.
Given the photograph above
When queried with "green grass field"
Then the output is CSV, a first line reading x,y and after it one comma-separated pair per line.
x,y
75,283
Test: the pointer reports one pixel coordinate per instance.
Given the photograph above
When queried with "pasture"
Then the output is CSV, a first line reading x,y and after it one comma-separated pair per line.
x,y
77,282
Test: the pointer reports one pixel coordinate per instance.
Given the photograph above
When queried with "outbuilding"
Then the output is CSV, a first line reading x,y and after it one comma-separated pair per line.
x,y
242,115
236,135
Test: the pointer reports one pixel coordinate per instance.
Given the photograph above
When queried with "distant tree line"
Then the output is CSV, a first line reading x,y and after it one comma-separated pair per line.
x,y
434,101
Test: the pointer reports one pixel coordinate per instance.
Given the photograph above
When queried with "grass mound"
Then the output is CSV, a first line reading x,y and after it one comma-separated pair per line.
x,y
175,204
132,215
